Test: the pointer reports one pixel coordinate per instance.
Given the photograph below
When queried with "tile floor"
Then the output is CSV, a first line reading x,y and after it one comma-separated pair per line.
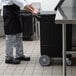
x,y
31,68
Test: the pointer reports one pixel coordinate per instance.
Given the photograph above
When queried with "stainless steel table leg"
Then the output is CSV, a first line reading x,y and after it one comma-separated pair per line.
x,y
64,48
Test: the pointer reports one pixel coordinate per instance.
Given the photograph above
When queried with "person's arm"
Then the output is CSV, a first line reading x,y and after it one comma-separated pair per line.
x,y
25,5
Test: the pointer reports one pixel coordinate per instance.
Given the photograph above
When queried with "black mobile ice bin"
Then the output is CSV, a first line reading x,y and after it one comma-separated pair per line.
x,y
51,37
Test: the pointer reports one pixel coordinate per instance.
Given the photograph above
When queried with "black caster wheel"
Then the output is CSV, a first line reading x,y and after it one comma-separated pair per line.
x,y
44,60
68,62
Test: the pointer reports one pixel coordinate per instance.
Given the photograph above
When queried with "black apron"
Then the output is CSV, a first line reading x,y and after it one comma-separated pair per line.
x,y
11,16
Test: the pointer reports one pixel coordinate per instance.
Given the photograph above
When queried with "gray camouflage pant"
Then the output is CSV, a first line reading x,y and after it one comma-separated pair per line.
x,y
14,41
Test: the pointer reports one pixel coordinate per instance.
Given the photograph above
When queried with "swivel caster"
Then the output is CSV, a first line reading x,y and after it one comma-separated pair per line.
x,y
44,60
68,62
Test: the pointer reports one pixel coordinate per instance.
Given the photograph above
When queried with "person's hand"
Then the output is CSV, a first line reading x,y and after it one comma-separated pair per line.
x,y
31,9
35,11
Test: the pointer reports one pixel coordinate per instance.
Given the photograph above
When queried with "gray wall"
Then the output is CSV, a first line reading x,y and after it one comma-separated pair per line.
x,y
74,3
69,3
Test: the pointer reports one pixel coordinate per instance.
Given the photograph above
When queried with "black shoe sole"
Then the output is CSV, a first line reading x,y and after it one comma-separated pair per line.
x,y
23,59
10,62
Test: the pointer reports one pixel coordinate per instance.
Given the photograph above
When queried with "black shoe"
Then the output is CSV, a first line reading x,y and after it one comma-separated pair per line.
x,y
23,58
12,61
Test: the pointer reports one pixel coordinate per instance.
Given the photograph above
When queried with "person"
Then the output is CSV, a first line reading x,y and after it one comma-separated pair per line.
x,y
12,29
